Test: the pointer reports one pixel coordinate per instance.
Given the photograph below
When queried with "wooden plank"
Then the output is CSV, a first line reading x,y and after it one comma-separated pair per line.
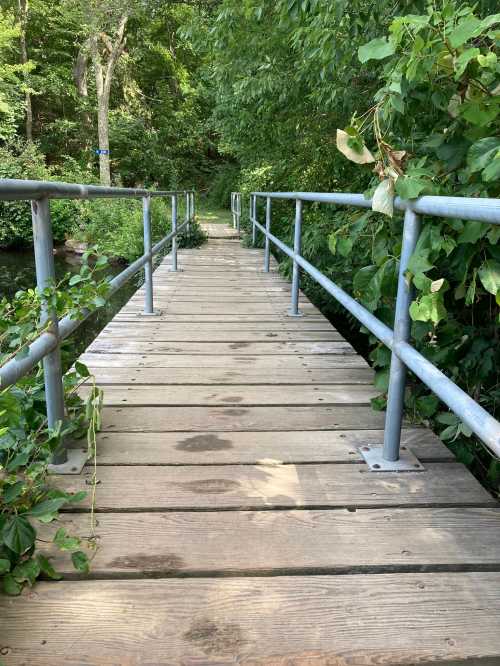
x,y
167,299
359,620
203,334
276,486
197,419
267,361
337,347
273,318
226,308
364,541
207,376
286,326
222,448
220,289
236,395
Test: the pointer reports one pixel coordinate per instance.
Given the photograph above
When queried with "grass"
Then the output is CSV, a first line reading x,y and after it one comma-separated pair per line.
x,y
207,213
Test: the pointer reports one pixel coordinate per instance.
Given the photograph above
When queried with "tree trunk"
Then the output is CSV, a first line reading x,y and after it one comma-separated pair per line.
x,y
80,79
103,135
103,90
23,19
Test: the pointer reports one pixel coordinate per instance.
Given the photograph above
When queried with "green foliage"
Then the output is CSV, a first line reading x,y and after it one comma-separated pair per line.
x,y
27,444
11,74
117,226
19,159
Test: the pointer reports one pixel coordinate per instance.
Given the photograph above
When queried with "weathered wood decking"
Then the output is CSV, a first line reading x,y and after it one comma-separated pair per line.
x,y
236,521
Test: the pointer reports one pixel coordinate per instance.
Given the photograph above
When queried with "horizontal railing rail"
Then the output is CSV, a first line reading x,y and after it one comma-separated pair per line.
x,y
46,347
404,356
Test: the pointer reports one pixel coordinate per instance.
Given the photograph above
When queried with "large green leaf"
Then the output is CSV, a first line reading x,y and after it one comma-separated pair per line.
x,y
463,60
480,113
489,274
4,566
429,307
419,262
492,171
11,586
65,542
468,27
482,152
378,49
47,510
47,568
409,187
80,561
18,534
473,232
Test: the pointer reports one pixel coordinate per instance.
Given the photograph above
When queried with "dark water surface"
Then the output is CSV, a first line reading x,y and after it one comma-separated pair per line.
x,y
17,271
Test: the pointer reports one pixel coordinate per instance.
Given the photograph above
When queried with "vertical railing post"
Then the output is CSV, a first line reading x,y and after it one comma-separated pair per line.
x,y
45,277
233,194
294,309
238,216
253,217
268,229
193,210
174,229
148,266
402,324
188,211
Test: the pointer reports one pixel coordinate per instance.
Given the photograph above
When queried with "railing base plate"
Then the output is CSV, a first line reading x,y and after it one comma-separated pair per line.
x,y
407,462
74,465
291,313
155,313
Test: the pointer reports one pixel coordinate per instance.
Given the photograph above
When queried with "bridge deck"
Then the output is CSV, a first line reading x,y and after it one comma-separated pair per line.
x,y
236,520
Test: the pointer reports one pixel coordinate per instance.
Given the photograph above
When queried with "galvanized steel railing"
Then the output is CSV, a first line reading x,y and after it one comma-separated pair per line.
x,y
236,210
46,347
389,457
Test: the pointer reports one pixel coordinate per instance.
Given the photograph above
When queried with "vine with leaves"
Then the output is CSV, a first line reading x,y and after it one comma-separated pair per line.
x,y
27,495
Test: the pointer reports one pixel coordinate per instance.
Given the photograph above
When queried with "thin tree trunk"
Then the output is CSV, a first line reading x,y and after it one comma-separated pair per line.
x,y
103,136
80,79
23,20
103,90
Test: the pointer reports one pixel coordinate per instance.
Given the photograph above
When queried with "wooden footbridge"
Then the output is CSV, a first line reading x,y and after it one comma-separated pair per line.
x,y
237,520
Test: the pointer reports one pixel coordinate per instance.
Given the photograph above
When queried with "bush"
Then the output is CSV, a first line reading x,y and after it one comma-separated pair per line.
x,y
23,161
115,225
18,160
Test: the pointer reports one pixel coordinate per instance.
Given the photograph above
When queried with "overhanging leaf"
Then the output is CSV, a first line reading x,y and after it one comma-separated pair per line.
x,y
378,49
363,157
383,197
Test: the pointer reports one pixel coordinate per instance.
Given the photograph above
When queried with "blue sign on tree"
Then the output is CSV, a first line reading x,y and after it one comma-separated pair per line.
x,y
100,151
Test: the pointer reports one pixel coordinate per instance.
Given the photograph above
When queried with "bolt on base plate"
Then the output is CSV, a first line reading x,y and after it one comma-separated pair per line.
x,y
407,462
74,464
155,313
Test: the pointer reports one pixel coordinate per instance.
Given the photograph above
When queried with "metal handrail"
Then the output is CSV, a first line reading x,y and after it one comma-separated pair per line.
x,y
236,210
46,347
404,356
